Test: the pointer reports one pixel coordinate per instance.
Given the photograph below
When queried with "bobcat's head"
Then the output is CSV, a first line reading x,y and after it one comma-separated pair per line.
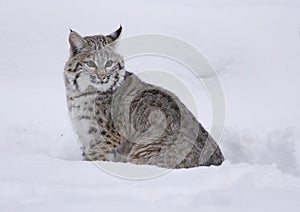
x,y
94,64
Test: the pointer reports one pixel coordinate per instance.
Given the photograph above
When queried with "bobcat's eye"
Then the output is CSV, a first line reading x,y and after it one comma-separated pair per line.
x,y
91,64
108,63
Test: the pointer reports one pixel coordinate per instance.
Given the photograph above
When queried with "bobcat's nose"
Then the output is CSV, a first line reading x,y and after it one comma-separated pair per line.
x,y
101,75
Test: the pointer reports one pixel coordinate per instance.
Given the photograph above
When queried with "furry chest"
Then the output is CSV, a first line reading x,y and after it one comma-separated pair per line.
x,y
84,119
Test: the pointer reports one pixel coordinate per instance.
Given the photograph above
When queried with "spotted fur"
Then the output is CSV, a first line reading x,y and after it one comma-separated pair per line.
x,y
120,118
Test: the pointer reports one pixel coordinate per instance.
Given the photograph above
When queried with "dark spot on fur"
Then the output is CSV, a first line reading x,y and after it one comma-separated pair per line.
x,y
92,130
84,117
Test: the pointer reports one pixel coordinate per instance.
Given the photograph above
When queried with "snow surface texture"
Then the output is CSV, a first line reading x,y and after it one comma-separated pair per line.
x,y
254,47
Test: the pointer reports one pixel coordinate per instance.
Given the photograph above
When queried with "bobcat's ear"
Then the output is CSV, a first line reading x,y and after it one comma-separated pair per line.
x,y
77,42
115,35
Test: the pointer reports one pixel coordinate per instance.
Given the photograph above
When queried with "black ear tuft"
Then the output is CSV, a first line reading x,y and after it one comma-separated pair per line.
x,y
115,35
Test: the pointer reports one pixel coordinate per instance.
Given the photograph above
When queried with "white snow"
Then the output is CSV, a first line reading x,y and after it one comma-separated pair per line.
x,y
254,47
39,183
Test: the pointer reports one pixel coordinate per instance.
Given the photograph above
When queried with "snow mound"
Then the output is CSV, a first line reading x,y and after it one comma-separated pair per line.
x,y
35,183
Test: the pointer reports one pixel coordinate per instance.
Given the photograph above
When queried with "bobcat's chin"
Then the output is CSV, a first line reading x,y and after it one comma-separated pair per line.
x,y
100,81
109,83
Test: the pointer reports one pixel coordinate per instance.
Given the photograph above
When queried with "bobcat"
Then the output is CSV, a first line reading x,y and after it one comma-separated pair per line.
x,y
120,118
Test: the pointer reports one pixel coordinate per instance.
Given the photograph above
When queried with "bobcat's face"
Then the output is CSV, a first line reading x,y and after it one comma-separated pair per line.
x,y
94,65
99,70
